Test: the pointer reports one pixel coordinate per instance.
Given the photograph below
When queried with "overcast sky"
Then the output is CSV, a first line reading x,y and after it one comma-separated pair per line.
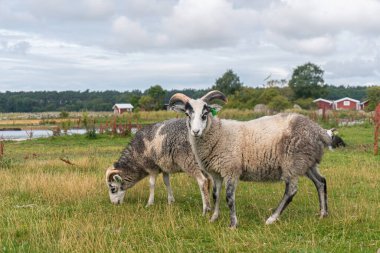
x,y
134,44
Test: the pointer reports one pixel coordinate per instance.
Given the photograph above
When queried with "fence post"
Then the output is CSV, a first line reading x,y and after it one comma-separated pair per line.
x,y
1,149
377,128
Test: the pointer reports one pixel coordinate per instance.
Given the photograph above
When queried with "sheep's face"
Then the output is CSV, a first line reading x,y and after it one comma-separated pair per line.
x,y
116,186
197,113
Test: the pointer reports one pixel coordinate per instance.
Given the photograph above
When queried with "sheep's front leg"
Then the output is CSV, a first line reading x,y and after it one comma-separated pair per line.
x,y
230,198
217,187
152,183
290,190
203,186
168,187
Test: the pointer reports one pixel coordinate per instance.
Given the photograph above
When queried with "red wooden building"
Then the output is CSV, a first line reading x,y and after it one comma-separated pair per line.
x,y
341,104
120,108
347,104
324,104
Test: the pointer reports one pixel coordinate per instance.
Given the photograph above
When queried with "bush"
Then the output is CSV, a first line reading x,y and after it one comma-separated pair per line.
x,y
91,134
63,114
279,103
305,103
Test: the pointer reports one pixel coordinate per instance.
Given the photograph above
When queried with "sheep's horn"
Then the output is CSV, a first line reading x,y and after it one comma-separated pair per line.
x,y
111,172
178,97
215,94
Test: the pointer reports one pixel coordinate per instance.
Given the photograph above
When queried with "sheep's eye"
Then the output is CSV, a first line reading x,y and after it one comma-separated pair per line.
x,y
187,114
113,189
204,116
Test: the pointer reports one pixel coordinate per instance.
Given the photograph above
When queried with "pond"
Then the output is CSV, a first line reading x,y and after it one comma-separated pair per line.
x,y
26,134
19,135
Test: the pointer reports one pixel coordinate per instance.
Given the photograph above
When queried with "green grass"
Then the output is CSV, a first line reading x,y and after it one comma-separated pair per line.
x,y
49,206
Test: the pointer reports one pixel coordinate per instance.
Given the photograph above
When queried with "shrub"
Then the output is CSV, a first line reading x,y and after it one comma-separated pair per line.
x,y
91,134
63,114
279,103
305,103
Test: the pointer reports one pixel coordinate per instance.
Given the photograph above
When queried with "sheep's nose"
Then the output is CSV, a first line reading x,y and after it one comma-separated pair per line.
x,y
196,132
116,202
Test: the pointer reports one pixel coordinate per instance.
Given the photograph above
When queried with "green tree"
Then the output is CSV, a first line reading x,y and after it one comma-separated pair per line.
x,y
229,83
305,103
279,103
246,98
268,94
307,81
373,94
157,93
338,92
147,103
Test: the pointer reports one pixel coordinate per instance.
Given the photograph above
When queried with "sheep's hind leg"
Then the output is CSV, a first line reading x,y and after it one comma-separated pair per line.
x,y
230,198
168,187
152,183
290,190
321,185
217,187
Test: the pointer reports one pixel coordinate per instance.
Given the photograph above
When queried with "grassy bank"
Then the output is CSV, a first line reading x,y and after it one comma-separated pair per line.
x,y
48,205
51,120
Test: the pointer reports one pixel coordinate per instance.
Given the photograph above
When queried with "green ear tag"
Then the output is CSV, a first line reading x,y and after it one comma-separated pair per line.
x,y
213,111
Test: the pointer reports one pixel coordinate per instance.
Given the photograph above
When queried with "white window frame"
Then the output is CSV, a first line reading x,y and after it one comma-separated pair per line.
x,y
346,103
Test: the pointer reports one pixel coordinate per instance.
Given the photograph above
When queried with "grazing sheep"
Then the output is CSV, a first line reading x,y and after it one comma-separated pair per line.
x,y
162,147
337,141
271,148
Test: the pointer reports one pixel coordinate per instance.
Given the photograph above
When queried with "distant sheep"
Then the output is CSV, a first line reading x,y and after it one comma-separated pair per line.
x,y
271,148
162,147
337,141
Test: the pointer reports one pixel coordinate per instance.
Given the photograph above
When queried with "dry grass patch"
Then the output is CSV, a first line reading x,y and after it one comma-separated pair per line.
x,y
49,206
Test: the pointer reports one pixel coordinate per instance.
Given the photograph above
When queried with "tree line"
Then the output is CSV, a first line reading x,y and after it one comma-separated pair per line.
x,y
305,85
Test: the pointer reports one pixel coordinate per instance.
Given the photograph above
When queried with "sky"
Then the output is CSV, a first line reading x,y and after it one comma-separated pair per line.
x,y
134,44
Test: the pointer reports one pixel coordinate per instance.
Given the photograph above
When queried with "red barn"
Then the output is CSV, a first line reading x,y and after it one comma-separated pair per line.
x,y
347,104
120,108
324,104
364,104
341,104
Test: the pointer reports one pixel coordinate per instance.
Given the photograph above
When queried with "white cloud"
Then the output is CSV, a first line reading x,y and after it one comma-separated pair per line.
x,y
128,44
20,47
212,23
353,68
318,17
129,34
62,10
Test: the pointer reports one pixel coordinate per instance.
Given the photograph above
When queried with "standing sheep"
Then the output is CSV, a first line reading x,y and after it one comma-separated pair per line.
x,y
280,147
162,147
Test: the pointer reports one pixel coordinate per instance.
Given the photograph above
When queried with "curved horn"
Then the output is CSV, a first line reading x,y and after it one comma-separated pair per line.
x,y
111,171
178,97
215,94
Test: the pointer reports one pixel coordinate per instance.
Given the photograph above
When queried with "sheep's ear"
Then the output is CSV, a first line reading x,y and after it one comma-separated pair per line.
x,y
178,107
117,178
215,107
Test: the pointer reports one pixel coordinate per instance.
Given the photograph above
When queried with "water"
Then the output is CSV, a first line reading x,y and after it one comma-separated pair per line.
x,y
24,135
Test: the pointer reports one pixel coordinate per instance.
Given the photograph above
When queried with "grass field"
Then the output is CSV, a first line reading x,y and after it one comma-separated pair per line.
x,y
48,205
